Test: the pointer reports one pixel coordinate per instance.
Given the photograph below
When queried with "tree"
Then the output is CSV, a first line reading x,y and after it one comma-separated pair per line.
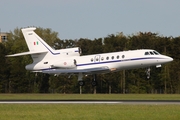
x,y
4,70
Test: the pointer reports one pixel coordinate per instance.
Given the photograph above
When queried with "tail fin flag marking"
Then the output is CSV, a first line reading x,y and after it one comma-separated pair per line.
x,y
37,46
34,42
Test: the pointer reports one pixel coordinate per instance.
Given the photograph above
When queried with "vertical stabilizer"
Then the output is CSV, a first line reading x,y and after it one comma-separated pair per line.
x,y
34,42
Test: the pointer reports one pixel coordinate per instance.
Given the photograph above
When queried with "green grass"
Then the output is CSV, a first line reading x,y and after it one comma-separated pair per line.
x,y
88,112
90,96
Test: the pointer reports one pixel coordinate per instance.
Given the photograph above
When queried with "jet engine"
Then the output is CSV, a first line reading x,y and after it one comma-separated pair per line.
x,y
67,63
71,51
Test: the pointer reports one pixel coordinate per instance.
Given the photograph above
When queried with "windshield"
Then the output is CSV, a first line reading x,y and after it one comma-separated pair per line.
x,y
151,53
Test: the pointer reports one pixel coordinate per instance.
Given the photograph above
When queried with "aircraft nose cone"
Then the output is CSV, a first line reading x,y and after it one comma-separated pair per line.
x,y
169,59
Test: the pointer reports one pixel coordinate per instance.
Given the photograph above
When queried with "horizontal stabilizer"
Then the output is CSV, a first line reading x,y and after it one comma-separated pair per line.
x,y
65,71
26,53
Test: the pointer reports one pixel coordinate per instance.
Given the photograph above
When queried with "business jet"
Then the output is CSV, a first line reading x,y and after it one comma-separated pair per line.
x,y
69,61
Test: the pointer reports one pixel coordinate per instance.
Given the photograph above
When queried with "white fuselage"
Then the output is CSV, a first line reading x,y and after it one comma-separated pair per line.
x,y
114,61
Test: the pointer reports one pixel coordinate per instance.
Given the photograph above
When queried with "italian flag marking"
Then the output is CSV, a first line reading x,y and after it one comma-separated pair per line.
x,y
36,43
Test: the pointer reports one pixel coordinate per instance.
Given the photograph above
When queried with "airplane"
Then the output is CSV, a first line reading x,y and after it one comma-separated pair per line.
x,y
70,61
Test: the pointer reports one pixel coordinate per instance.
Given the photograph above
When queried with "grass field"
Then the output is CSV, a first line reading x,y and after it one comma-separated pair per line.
x,y
89,96
89,111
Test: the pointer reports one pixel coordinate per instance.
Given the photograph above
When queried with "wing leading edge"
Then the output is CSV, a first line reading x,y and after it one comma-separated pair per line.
x,y
26,53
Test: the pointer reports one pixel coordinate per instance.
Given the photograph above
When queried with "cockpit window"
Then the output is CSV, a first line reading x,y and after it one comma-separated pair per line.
x,y
155,52
151,53
146,53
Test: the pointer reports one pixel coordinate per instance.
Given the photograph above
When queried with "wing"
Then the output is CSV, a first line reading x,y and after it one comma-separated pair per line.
x,y
26,53
88,70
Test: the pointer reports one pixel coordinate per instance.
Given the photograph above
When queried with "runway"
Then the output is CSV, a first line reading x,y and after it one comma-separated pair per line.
x,y
132,102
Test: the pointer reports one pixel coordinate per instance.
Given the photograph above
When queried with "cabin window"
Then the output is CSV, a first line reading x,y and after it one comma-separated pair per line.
x,y
117,57
107,58
45,62
123,56
146,53
97,59
112,57
91,59
102,58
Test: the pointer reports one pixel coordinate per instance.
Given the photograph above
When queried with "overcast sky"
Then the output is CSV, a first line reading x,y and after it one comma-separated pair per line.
x,y
74,19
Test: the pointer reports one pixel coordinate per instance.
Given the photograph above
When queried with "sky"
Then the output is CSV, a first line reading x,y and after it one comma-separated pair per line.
x,y
75,19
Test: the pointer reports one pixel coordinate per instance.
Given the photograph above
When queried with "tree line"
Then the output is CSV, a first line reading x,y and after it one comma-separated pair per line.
x,y
14,78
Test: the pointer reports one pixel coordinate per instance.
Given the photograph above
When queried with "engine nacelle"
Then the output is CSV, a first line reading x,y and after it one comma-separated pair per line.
x,y
71,51
67,63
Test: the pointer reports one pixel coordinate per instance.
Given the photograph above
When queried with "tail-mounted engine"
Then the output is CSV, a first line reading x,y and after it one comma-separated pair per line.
x,y
71,51
67,63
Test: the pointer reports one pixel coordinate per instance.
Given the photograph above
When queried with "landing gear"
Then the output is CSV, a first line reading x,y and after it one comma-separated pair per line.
x,y
94,81
148,72
80,81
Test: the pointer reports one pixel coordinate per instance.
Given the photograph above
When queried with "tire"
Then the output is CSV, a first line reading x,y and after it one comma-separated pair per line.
x,y
94,83
81,83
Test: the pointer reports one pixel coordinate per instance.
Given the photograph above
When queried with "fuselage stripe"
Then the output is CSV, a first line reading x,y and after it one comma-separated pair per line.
x,y
125,60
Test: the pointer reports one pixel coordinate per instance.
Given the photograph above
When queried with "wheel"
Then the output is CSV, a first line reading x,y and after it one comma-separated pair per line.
x,y
81,83
94,83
